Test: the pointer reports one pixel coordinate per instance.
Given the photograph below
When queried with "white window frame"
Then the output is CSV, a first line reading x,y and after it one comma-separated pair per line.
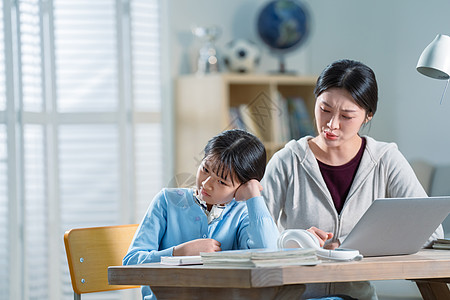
x,y
15,118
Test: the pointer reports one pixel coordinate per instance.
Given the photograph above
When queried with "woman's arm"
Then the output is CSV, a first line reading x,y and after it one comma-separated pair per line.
x,y
274,186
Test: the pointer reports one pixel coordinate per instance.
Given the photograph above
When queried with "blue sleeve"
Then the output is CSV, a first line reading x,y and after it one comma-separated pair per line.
x,y
145,245
259,230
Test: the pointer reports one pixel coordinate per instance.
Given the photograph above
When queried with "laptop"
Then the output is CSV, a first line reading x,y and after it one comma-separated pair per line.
x,y
395,226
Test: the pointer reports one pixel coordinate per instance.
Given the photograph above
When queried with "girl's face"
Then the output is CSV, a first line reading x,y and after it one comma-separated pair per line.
x,y
212,188
338,117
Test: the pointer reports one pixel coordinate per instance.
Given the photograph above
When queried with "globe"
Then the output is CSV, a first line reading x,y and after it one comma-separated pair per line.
x,y
283,25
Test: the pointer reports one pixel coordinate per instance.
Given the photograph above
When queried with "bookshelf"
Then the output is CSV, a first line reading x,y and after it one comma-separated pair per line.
x,y
206,105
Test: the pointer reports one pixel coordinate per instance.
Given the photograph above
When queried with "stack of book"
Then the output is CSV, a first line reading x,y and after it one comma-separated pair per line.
x,y
261,257
442,244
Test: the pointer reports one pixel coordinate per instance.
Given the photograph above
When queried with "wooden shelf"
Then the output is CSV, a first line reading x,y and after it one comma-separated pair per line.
x,y
202,109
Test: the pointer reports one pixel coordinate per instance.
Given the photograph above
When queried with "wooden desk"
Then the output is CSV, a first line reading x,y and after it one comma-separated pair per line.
x,y
430,269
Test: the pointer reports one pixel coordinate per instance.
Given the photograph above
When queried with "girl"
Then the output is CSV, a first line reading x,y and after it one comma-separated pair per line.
x,y
224,211
326,183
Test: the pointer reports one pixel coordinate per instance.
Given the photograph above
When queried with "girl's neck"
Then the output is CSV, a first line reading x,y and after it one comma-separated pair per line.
x,y
205,205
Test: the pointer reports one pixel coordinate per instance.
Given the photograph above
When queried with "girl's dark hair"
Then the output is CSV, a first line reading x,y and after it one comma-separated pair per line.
x,y
355,77
236,152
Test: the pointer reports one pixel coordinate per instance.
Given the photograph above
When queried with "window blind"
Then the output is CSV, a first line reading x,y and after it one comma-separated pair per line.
x,y
4,227
35,237
35,211
30,50
2,64
88,131
4,219
146,57
86,55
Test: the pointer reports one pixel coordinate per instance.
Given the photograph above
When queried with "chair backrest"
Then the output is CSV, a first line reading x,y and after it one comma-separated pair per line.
x,y
424,171
90,251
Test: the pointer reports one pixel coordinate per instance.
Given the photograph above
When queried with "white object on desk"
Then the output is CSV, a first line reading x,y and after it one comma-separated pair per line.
x,y
181,260
300,238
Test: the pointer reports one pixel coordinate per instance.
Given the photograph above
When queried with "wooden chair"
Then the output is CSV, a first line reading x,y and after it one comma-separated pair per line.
x,y
89,253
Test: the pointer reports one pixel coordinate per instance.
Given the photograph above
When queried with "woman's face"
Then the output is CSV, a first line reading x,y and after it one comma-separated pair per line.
x,y
212,188
338,117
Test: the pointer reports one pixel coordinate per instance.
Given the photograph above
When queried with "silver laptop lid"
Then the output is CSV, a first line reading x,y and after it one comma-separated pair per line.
x,y
395,226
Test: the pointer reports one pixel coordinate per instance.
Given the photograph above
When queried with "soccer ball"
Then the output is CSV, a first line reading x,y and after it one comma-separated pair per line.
x,y
241,56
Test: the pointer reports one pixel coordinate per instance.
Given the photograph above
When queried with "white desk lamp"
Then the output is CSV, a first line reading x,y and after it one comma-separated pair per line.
x,y
434,61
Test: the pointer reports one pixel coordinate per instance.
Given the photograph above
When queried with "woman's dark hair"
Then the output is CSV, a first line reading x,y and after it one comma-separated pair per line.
x,y
355,77
239,152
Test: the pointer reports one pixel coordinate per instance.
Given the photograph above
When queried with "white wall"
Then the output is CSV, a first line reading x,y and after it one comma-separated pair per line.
x,y
386,35
389,36
237,19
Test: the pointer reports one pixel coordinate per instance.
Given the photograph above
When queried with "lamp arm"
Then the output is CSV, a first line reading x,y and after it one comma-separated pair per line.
x,y
445,89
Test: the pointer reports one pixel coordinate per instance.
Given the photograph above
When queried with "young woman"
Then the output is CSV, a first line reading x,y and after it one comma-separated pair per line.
x,y
326,183
224,211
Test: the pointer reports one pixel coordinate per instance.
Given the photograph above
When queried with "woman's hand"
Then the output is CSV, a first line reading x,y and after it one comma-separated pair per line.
x,y
196,246
250,189
322,236
332,245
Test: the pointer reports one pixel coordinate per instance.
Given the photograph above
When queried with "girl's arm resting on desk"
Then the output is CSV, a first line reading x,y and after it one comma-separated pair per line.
x,y
141,256
194,247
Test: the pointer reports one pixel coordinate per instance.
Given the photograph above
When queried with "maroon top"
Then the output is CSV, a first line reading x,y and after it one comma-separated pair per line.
x,y
339,178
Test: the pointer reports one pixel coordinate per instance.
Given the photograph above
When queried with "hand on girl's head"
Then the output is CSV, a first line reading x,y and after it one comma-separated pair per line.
x,y
250,189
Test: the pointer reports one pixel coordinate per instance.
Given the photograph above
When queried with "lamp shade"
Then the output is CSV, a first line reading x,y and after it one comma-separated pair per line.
x,y
434,61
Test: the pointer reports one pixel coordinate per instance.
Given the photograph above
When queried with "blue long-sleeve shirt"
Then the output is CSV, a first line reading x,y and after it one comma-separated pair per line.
x,y
173,218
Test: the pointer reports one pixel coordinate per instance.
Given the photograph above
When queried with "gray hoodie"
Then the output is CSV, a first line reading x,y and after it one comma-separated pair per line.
x,y
298,197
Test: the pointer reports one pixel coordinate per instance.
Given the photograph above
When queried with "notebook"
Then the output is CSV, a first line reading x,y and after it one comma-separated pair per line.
x,y
396,226
181,260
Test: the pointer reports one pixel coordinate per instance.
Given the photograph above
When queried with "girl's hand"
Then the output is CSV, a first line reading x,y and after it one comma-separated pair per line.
x,y
250,189
196,246
322,236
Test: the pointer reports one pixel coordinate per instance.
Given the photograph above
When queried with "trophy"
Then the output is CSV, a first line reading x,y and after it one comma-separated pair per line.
x,y
207,61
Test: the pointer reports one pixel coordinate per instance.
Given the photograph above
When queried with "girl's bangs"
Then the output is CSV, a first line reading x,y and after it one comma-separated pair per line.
x,y
221,167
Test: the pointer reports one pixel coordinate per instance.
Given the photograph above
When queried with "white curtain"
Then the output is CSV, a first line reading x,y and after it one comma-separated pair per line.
x,y
80,131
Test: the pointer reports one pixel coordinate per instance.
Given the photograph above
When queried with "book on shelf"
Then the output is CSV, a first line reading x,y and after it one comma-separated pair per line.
x,y
442,244
241,118
281,120
300,123
289,118
261,257
236,118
